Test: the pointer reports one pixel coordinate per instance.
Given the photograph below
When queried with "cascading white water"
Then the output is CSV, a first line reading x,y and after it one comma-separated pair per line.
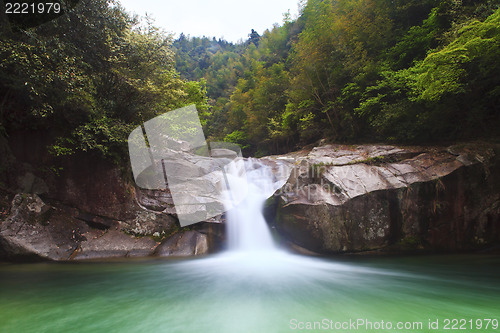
x,y
252,261
251,254
247,228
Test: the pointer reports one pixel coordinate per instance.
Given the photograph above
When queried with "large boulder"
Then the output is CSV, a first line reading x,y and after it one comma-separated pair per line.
x,y
338,199
350,199
36,231
89,207
32,230
113,243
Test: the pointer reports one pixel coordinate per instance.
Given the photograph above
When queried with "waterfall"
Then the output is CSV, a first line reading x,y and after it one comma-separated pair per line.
x,y
251,183
251,256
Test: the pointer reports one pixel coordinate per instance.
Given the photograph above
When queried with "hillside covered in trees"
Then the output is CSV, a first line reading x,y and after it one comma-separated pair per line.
x,y
88,78
415,71
355,71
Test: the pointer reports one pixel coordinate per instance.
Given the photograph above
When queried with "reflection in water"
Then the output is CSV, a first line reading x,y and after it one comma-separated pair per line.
x,y
248,290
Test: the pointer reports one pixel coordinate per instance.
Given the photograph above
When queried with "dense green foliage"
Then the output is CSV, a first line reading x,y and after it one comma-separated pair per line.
x,y
406,71
355,70
89,77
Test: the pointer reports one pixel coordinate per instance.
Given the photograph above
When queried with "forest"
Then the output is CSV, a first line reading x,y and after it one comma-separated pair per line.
x,y
347,71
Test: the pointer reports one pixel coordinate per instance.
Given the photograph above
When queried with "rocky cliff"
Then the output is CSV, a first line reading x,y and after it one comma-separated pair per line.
x,y
86,208
338,199
342,199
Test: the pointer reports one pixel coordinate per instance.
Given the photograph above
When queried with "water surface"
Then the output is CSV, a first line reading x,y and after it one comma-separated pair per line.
x,y
236,293
254,287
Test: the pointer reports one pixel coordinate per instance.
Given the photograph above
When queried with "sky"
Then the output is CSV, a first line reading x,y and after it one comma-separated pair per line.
x,y
229,19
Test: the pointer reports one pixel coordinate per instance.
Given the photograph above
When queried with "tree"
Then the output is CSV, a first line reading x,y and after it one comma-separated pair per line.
x,y
90,77
254,38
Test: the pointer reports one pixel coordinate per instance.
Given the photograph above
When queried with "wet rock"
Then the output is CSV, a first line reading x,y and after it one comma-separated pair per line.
x,y
155,200
149,223
382,197
113,244
82,198
187,243
36,231
223,153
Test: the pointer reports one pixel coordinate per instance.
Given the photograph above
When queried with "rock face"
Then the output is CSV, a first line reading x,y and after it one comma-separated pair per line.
x,y
36,231
84,208
113,243
338,199
185,244
349,199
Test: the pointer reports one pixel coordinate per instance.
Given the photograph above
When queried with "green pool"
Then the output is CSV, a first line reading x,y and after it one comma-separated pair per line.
x,y
265,292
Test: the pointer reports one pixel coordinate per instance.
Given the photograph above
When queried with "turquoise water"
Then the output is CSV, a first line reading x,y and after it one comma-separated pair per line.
x,y
234,293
